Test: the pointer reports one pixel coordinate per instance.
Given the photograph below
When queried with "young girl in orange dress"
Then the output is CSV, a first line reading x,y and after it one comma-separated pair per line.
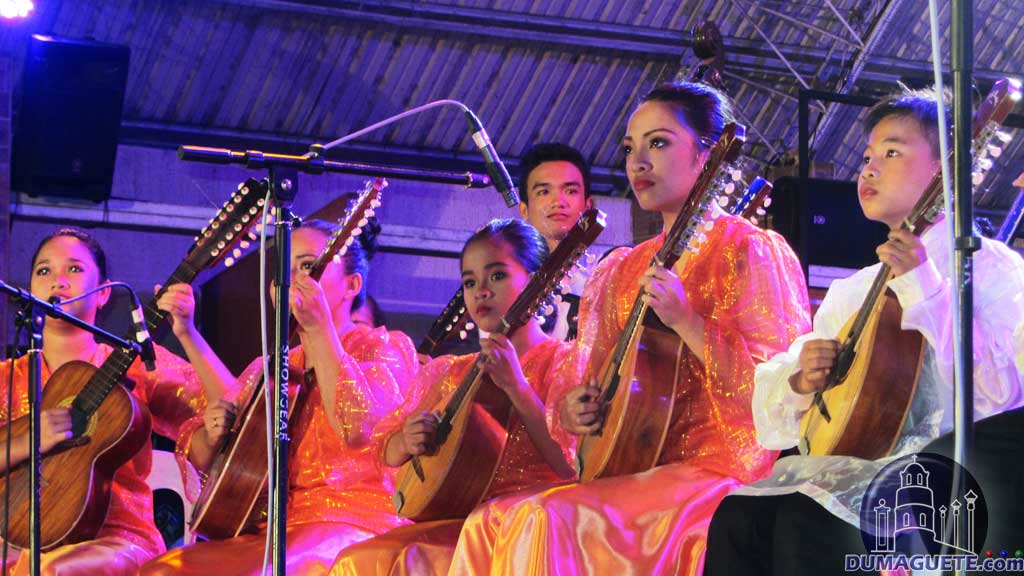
x,y
497,263
337,492
66,264
737,302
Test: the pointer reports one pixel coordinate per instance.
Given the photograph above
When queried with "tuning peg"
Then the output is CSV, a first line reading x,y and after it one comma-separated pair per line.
x,y
462,335
977,178
563,287
349,240
470,325
260,202
760,212
723,201
994,151
337,258
730,188
229,262
736,174
236,198
590,258
215,252
370,213
362,222
375,203
709,225
237,253
343,251
1004,137
253,237
767,202
220,245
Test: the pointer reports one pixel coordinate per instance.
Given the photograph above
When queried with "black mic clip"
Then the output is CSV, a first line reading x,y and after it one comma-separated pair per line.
x,y
146,350
495,169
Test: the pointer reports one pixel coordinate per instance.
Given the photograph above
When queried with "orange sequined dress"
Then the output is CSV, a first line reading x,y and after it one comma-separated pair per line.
x,y
748,287
338,493
427,547
128,537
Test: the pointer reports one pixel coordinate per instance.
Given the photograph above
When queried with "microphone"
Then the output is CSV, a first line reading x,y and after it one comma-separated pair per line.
x,y
495,169
147,352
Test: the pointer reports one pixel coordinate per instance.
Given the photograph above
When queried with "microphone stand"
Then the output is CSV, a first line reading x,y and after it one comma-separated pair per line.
x,y
965,243
32,315
281,182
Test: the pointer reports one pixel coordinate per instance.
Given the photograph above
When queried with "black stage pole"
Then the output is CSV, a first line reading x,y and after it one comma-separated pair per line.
x,y
962,42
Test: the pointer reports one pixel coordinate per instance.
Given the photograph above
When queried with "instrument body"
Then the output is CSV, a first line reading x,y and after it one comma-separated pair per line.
x,y
77,474
109,424
868,394
638,381
476,417
234,499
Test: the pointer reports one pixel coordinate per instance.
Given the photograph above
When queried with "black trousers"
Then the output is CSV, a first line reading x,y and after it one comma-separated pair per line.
x,y
780,535
997,463
792,534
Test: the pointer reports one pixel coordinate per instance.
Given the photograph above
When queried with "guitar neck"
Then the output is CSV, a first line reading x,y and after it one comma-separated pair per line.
x,y
116,365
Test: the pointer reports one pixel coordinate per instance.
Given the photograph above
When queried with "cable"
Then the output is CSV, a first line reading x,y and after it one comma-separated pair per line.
x,y
268,400
387,121
86,294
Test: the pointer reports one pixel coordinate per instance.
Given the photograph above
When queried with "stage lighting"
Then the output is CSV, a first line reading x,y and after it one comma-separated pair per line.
x,y
15,8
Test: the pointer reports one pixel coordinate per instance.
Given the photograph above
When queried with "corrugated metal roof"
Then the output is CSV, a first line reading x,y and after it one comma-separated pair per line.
x,y
569,70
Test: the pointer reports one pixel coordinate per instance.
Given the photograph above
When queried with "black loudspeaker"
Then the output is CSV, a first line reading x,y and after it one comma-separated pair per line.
x,y
65,140
824,223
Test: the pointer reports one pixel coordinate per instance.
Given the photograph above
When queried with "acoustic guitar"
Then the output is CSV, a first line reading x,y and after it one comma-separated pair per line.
x,y
109,423
868,393
234,499
475,418
638,380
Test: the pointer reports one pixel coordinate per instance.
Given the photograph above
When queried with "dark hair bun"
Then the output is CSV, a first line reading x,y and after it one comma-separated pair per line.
x,y
368,239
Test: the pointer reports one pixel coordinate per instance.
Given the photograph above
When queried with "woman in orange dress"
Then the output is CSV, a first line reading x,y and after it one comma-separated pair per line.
x,y
497,263
66,264
737,302
337,492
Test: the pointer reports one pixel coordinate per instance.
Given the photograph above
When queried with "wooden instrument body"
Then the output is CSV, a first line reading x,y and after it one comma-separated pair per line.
x,y
77,474
476,415
638,415
456,477
234,499
868,401
870,404
229,504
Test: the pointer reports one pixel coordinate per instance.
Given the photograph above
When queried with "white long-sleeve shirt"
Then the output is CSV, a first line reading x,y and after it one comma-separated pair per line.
x,y
838,482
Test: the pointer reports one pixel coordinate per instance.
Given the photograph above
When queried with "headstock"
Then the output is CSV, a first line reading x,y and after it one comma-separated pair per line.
x,y
350,226
547,279
230,227
987,143
716,180
751,206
